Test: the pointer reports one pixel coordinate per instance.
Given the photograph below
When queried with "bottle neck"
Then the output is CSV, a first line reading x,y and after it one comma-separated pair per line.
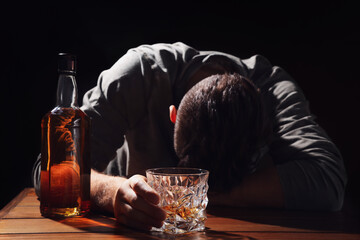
x,y
67,91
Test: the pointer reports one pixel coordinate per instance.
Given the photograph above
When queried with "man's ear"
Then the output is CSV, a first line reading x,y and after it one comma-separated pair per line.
x,y
173,113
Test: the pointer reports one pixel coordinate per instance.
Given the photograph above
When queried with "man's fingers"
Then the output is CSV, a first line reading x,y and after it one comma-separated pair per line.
x,y
137,202
139,185
129,216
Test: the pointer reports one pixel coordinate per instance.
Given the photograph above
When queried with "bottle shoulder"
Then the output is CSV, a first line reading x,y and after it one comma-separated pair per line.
x,y
65,115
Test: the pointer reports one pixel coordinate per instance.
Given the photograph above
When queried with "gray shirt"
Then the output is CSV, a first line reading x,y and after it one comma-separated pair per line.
x,y
131,130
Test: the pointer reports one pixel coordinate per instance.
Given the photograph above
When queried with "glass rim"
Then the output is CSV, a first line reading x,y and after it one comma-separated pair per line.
x,y
191,171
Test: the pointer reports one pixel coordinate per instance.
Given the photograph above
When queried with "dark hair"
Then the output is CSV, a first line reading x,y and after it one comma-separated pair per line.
x,y
220,125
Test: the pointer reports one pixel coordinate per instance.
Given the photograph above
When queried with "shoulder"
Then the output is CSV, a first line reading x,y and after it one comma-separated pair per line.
x,y
269,77
263,73
165,52
147,61
257,61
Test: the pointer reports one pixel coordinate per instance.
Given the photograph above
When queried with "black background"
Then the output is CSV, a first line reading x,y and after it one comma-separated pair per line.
x,y
317,44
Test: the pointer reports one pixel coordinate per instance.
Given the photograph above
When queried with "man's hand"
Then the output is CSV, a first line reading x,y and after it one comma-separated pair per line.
x,y
135,204
132,201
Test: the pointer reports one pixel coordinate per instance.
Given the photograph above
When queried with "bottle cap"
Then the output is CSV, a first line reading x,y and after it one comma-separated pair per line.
x,y
67,63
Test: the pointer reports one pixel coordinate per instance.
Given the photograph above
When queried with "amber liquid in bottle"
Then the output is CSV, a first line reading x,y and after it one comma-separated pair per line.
x,y
65,159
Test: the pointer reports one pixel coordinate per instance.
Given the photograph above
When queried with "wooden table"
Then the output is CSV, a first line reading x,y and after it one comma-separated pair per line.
x,y
21,219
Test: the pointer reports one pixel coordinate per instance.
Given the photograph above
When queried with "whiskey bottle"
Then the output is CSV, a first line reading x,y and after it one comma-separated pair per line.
x,y
65,155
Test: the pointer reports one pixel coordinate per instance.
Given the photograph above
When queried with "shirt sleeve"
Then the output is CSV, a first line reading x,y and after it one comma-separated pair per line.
x,y
136,86
310,166
108,106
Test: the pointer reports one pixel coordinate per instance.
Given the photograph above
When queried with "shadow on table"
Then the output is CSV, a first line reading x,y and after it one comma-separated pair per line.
x,y
102,224
108,225
207,234
299,220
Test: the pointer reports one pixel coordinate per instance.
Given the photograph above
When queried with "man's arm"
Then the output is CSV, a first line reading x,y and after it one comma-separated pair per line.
x,y
309,166
260,189
132,201
309,171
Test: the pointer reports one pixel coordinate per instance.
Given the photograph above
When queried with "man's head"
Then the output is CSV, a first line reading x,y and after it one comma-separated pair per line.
x,y
220,125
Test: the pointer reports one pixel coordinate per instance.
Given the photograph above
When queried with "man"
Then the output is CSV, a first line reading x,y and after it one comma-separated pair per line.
x,y
245,120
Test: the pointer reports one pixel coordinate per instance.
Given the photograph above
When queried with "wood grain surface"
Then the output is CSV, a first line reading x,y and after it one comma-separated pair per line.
x,y
21,219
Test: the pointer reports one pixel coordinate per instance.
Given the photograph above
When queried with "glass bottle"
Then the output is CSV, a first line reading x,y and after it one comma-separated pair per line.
x,y
65,156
